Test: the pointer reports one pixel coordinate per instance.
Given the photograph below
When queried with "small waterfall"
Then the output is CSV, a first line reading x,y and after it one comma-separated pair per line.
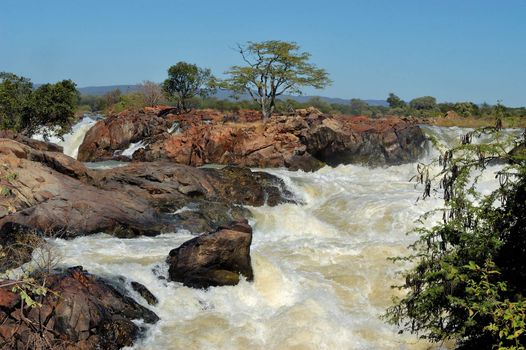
x,y
128,152
74,138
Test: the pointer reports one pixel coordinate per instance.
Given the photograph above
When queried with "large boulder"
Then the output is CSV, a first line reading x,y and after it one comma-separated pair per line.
x,y
80,311
264,145
213,259
50,193
110,136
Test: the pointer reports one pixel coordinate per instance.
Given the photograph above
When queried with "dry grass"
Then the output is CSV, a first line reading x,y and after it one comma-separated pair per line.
x,y
474,122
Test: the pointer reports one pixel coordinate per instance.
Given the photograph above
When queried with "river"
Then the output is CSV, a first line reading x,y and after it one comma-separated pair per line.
x,y
322,278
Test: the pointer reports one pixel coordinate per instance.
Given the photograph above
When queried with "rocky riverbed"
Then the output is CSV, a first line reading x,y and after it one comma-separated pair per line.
x,y
47,194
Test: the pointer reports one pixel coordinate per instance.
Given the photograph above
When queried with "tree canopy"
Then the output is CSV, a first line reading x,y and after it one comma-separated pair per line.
x,y
271,69
49,109
423,103
395,101
185,81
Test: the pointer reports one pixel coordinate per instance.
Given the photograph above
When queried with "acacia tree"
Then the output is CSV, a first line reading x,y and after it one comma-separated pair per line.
x,y
50,108
186,81
273,68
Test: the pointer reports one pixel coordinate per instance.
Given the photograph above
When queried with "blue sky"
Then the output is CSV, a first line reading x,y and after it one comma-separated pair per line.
x,y
454,50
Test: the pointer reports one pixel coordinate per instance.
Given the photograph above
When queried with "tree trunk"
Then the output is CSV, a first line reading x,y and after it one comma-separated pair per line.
x,y
265,109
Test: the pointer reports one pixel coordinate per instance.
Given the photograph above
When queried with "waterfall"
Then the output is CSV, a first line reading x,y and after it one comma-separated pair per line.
x,y
74,138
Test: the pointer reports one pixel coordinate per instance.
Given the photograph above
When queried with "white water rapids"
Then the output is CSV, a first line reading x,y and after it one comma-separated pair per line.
x,y
322,278
72,140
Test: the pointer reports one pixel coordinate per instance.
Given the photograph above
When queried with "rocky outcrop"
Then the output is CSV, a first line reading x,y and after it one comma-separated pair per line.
x,y
361,140
109,137
273,144
52,194
56,197
293,142
307,140
213,259
80,311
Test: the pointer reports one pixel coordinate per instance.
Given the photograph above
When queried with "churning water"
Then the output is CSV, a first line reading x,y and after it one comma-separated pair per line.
x,y
322,278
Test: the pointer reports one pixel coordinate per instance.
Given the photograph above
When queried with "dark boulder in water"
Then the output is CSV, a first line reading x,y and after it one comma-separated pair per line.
x,y
362,140
145,293
213,259
80,311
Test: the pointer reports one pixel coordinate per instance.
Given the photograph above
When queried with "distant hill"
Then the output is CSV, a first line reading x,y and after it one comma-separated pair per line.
x,y
220,94
101,90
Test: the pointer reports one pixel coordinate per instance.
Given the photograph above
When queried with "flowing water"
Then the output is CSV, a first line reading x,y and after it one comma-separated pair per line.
x,y
322,278
74,138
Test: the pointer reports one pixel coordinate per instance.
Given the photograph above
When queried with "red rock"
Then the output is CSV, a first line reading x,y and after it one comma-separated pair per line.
x,y
305,141
81,312
117,132
8,299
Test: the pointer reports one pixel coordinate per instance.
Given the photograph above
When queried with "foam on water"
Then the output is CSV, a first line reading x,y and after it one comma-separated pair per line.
x,y
135,146
321,274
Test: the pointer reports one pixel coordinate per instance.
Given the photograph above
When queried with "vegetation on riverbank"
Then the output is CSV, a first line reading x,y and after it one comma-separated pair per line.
x,y
467,282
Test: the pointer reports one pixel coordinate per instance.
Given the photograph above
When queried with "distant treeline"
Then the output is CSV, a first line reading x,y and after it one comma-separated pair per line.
x,y
423,107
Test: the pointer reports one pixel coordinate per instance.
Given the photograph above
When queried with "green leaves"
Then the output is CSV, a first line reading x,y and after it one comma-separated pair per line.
x,y
28,289
469,277
185,81
50,108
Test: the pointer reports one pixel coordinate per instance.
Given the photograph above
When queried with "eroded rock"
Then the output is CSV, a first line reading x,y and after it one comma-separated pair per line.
x,y
80,311
117,132
54,194
306,141
213,259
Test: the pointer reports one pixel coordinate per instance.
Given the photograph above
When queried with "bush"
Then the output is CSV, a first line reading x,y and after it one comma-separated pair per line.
x,y
469,276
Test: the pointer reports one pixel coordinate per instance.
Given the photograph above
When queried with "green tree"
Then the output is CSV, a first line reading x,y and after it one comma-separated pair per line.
x,y
48,109
395,101
53,109
359,107
468,279
466,109
15,94
273,68
423,103
319,104
185,81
